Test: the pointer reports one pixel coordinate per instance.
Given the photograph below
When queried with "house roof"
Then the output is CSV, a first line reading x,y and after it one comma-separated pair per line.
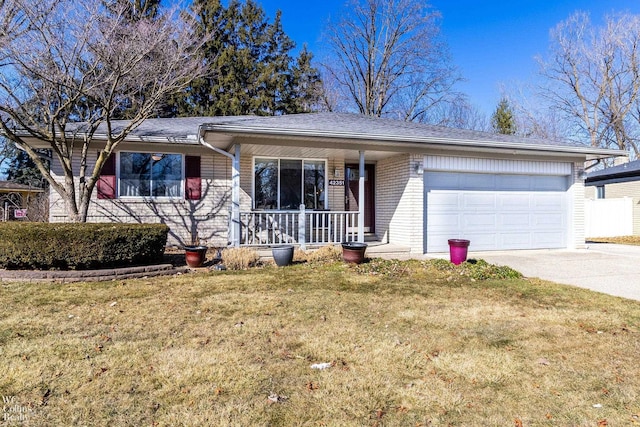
x,y
356,127
624,171
341,128
8,186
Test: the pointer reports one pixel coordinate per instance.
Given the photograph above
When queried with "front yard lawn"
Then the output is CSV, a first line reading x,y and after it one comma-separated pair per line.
x,y
409,344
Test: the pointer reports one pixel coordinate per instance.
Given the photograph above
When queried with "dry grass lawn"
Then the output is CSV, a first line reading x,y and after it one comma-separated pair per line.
x,y
412,345
622,240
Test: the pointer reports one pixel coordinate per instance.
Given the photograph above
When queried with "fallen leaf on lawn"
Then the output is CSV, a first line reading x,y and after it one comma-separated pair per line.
x,y
518,422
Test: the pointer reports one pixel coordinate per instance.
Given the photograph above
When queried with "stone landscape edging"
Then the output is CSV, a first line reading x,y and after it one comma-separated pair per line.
x,y
101,275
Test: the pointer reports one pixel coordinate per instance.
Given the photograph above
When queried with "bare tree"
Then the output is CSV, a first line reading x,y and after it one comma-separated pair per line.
x,y
67,68
460,114
388,60
592,78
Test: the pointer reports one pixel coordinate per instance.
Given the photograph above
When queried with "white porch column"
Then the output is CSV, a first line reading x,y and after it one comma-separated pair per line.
x,y
361,198
302,227
235,197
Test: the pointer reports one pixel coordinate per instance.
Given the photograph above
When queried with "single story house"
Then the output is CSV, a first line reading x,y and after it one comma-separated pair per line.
x,y
616,183
326,178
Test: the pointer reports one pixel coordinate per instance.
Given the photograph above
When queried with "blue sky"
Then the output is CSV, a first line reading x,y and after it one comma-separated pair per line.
x,y
493,43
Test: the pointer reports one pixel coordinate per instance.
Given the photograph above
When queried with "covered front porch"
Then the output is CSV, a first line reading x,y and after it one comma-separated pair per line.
x,y
309,190
330,208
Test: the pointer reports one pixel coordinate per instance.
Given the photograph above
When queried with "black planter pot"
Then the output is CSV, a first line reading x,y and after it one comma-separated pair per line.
x,y
282,255
353,252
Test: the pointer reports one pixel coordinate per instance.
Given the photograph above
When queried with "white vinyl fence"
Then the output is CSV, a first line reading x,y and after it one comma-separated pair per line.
x,y
608,217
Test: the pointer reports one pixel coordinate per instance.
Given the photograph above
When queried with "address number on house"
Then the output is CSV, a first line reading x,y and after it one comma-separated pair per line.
x,y
336,182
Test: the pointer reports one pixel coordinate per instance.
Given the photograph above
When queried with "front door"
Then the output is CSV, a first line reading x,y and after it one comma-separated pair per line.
x,y
352,193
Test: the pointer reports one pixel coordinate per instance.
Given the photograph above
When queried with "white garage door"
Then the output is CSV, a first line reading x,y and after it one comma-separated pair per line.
x,y
495,212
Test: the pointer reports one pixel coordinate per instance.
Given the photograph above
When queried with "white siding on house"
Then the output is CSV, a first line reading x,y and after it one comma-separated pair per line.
x,y
500,166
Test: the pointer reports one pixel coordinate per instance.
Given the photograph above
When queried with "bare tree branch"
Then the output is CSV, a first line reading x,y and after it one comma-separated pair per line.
x,y
64,62
388,60
592,78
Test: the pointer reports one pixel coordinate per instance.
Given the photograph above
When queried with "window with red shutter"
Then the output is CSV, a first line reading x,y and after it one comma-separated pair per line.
x,y
107,180
192,179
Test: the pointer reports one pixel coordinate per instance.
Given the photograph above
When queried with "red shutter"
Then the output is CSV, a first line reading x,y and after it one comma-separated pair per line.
x,y
107,180
192,182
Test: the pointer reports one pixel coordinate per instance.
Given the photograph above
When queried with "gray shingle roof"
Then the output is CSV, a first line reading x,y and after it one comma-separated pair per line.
x,y
344,126
620,171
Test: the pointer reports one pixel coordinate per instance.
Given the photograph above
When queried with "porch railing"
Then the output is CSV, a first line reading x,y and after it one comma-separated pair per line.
x,y
303,227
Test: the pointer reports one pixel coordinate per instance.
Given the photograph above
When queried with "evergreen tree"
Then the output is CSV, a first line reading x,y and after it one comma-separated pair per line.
x,y
503,118
21,169
250,67
306,88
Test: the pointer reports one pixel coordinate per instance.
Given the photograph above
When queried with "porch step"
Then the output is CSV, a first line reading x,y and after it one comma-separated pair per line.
x,y
370,237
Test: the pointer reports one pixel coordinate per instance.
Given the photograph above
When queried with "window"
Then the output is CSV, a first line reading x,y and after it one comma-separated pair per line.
x,y
150,175
287,183
600,192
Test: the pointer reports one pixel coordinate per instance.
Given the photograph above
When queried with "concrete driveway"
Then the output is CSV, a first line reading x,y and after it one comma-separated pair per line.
x,y
606,268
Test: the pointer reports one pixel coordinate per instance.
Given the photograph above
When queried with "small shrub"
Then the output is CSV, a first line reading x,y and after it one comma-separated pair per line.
x,y
239,258
324,254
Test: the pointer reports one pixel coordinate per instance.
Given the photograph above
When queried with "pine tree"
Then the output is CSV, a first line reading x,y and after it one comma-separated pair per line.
x,y
21,169
503,118
251,70
306,88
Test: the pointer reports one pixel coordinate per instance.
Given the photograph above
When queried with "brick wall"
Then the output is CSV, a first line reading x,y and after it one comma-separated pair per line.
x,y
400,201
207,218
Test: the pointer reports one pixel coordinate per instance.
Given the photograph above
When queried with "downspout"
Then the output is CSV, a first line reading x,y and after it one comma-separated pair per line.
x,y
235,186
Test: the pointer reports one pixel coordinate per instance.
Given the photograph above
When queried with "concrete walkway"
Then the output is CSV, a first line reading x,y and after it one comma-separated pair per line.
x,y
607,268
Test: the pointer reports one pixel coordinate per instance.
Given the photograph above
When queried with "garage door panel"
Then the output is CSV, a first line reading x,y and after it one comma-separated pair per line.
x,y
481,201
510,221
496,212
517,240
479,220
549,220
514,201
446,221
543,239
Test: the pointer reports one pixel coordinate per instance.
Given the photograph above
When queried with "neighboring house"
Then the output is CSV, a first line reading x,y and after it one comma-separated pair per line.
x,y
17,201
613,185
326,177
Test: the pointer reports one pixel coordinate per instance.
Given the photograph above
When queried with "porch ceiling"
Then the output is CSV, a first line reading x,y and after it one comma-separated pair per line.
x,y
308,152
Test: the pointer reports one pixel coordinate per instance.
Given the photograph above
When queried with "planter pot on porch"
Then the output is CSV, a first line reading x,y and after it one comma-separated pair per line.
x,y
282,255
195,255
353,252
458,250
